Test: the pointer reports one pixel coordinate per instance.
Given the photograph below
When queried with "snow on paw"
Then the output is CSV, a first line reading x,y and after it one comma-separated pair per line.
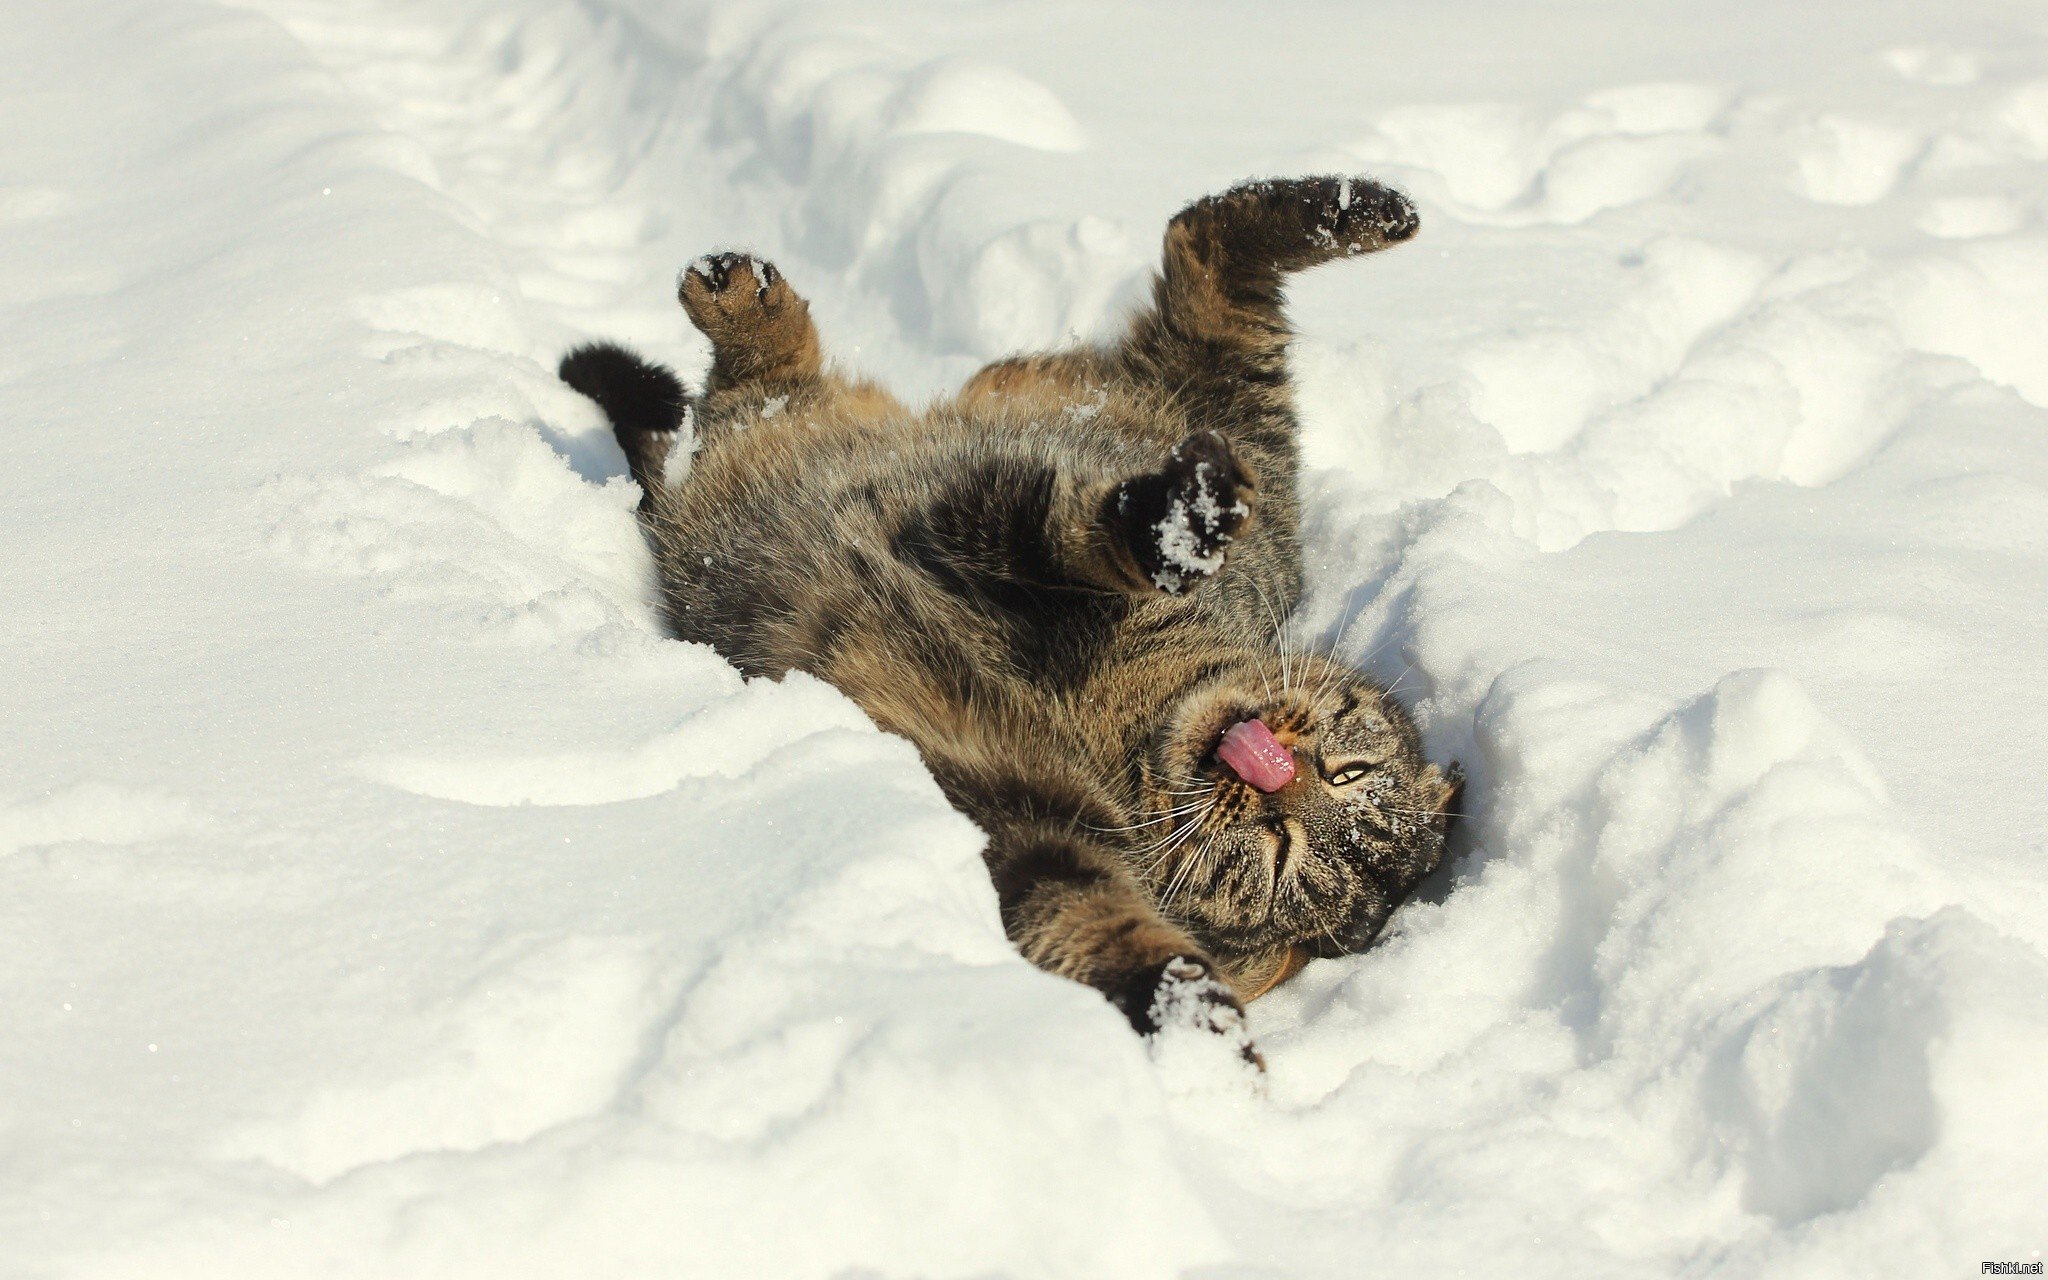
x,y
1298,222
1359,215
1178,523
1193,1022
726,292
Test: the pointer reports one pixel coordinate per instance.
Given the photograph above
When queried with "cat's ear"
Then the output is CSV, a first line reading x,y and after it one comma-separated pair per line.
x,y
1445,787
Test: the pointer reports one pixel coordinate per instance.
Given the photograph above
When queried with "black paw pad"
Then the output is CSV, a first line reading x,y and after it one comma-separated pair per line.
x,y
1297,222
1360,215
719,273
1178,522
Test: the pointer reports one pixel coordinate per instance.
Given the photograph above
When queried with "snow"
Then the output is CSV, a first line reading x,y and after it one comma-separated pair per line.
x,y
385,897
1181,548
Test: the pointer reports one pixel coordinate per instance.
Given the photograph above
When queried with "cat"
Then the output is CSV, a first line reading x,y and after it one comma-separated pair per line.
x,y
1064,585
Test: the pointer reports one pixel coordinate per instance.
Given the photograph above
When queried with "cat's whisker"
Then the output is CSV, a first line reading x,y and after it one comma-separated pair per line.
x,y
1171,841
1335,652
1177,827
1332,672
1331,934
1187,877
1153,821
1254,646
1180,873
1279,635
1403,676
1164,816
1151,868
1344,629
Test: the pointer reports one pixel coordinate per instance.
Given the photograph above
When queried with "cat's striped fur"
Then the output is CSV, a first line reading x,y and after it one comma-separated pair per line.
x,y
1063,585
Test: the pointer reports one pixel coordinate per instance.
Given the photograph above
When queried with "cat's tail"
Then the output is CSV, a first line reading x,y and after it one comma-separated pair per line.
x,y
637,395
645,402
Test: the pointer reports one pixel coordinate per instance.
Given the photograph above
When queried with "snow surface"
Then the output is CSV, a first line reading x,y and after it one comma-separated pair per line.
x,y
383,897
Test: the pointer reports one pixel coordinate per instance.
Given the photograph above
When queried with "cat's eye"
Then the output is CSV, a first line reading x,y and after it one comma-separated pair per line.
x,y
1346,774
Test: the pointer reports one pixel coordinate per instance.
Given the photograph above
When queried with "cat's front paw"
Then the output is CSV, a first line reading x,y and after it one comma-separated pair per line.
x,y
1177,523
1182,996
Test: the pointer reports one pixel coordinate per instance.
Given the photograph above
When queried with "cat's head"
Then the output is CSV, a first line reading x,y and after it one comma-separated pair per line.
x,y
1319,861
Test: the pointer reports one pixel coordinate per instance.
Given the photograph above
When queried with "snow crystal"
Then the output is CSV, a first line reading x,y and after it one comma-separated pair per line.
x,y
1181,548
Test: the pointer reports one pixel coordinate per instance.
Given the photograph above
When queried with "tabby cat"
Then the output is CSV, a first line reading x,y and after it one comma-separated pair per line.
x,y
1064,586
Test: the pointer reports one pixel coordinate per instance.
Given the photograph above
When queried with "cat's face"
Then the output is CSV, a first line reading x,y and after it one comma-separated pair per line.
x,y
1320,862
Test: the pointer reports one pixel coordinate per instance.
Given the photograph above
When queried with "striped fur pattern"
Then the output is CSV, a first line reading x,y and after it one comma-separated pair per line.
x,y
1063,585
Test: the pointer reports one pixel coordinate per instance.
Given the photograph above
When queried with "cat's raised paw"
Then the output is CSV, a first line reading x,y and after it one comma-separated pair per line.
x,y
760,328
1292,223
1178,522
722,290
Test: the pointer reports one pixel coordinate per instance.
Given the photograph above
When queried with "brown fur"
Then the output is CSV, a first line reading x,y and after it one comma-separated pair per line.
x,y
1062,585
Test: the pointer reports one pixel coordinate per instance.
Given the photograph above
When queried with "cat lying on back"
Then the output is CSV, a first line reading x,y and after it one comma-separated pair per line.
x,y
1064,586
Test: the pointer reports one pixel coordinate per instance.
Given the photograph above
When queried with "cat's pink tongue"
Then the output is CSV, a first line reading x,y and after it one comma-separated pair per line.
x,y
1251,752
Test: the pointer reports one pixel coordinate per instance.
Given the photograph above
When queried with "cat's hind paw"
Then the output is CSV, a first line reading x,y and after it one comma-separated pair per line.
x,y
1177,523
727,292
1293,223
760,328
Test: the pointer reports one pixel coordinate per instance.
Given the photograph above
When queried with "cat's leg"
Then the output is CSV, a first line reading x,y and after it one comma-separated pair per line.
x,y
1072,908
1043,524
1216,334
1168,529
762,337
1068,895
1215,338
765,353
1065,376
1217,304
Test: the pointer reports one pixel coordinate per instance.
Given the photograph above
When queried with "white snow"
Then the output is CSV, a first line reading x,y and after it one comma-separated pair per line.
x,y
384,896
1181,548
